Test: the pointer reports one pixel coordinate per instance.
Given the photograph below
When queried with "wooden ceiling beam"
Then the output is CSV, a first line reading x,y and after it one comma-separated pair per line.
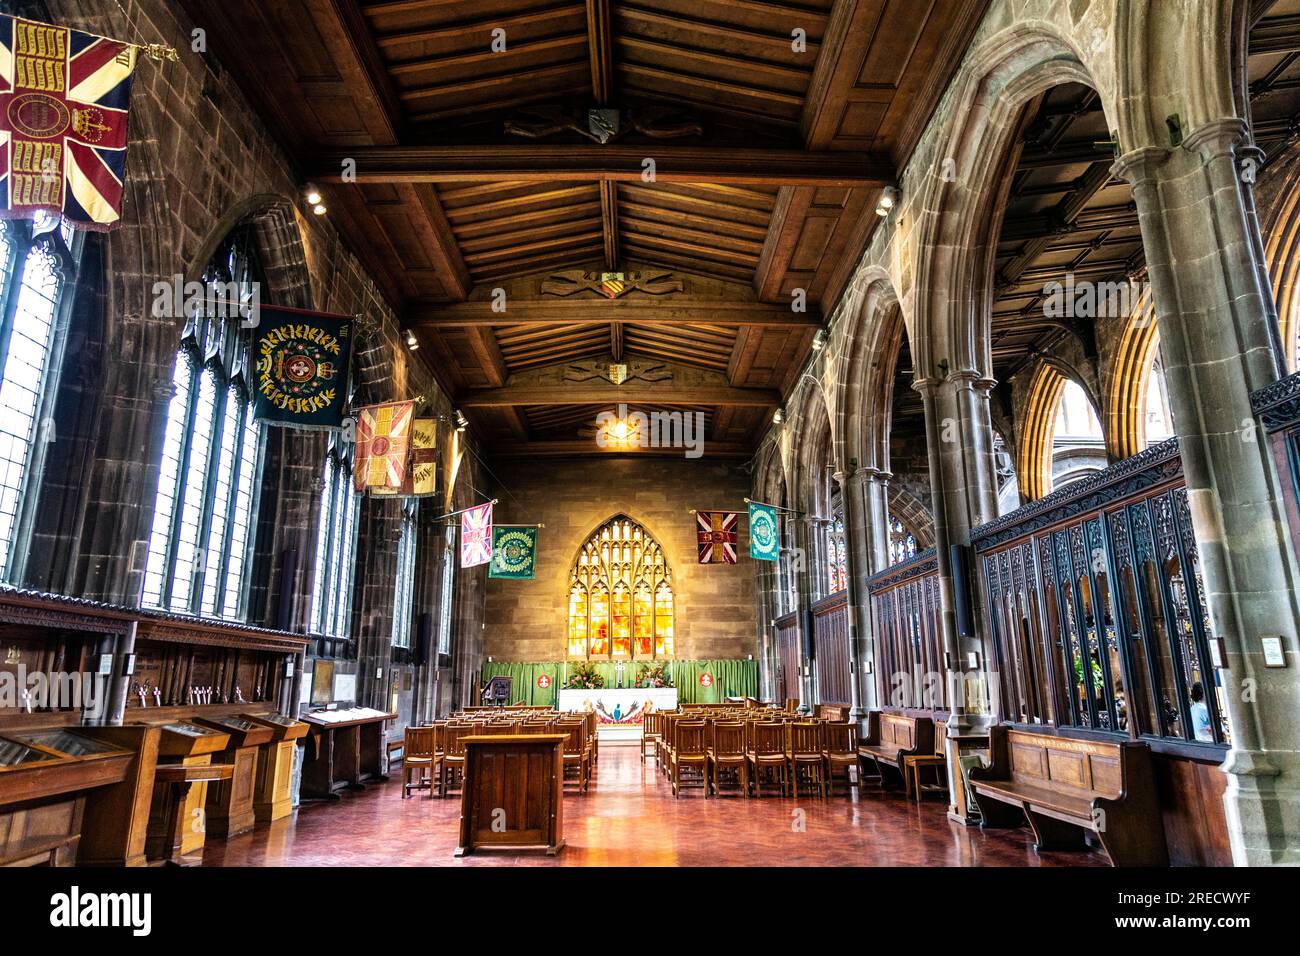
x,y
600,49
545,162
652,395
609,222
649,312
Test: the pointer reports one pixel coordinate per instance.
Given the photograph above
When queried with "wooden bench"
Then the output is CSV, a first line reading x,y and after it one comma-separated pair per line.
x,y
1067,786
891,739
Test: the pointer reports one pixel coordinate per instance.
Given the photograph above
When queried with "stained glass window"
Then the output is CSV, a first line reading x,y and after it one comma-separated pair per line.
x,y
199,548
621,596
902,543
837,561
37,265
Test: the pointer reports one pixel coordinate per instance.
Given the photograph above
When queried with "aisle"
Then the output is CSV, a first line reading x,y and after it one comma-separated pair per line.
x,y
631,819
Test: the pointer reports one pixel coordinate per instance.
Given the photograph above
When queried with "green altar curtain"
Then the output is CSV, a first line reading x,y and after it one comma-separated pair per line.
x,y
731,678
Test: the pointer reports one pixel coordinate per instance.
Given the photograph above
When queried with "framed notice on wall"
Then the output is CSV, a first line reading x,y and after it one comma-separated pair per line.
x,y
322,684
345,687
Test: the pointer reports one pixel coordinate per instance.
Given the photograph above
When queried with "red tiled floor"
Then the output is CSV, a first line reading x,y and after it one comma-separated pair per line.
x,y
631,819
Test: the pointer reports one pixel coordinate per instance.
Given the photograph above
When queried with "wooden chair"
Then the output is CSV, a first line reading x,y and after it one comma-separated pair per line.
x,y
420,757
650,735
576,753
805,753
840,750
765,750
937,761
727,752
453,756
692,752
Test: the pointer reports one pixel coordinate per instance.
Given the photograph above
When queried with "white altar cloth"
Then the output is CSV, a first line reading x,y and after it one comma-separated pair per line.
x,y
619,707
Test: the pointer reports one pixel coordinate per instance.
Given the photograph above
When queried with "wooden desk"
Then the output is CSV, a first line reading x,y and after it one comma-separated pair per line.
x,y
189,745
273,794
230,803
343,754
45,778
513,792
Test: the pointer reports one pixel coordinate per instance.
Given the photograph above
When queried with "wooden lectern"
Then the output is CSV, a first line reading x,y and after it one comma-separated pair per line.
x,y
230,803
273,797
513,793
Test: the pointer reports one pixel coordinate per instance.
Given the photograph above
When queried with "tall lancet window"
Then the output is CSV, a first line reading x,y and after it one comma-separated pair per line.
x,y
621,596
201,544
336,542
38,263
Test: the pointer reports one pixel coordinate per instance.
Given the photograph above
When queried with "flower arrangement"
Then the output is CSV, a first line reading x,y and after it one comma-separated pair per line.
x,y
654,675
584,677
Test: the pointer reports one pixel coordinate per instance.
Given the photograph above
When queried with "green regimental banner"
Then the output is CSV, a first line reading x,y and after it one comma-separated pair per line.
x,y
514,552
764,543
301,377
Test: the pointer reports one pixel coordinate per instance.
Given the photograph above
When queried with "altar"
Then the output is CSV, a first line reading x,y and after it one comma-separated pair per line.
x,y
622,707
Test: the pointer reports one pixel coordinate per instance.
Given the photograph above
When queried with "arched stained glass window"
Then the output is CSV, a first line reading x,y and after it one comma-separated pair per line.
x,y
621,596
200,545
902,543
38,262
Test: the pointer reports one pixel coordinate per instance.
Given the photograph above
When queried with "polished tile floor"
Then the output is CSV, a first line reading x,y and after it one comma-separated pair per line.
x,y
630,818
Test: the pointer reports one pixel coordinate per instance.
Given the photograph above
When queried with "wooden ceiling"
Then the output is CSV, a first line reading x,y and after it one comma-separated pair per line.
x,y
769,126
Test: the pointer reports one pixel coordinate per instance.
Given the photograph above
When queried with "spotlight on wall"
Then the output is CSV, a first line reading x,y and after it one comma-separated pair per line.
x,y
461,421
314,199
778,417
819,340
412,342
888,200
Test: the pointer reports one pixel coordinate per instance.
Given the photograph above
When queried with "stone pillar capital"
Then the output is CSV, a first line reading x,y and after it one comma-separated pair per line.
x,y
1217,138
1139,165
925,385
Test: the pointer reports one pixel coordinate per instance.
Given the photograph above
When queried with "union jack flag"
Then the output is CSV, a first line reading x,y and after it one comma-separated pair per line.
x,y
717,532
476,536
383,447
64,97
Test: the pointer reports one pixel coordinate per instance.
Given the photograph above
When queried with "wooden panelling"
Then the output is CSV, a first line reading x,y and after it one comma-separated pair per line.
x,y
831,623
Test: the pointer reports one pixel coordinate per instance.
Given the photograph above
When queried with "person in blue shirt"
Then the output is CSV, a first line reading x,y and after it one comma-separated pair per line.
x,y
1201,714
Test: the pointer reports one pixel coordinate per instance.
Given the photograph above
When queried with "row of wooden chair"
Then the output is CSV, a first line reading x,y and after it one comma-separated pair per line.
x,y
434,756
760,751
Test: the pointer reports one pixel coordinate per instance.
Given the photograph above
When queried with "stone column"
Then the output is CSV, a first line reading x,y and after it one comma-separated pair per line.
x,y
959,438
1210,288
854,545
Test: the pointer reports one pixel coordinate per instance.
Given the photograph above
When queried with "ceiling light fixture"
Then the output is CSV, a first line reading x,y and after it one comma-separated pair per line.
x,y
461,421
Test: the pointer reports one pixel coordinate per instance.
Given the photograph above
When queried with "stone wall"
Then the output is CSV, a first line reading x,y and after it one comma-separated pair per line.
x,y
527,620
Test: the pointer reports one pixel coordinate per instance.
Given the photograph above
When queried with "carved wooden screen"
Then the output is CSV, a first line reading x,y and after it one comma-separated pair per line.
x,y
908,642
621,596
1095,601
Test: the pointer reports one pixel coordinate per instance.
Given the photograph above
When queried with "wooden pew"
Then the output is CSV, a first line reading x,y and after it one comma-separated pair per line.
x,y
1066,786
891,739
